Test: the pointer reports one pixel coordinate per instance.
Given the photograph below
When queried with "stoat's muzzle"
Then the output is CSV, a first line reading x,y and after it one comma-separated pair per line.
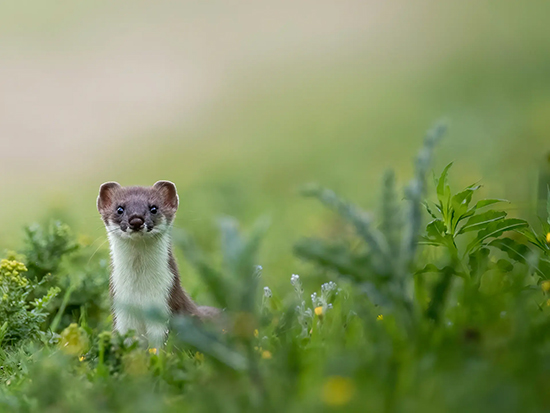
x,y
136,223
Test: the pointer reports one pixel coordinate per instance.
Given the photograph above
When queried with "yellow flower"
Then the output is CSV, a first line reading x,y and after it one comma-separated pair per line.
x,y
319,311
338,391
545,285
153,351
266,354
74,340
548,238
256,333
380,317
81,358
199,357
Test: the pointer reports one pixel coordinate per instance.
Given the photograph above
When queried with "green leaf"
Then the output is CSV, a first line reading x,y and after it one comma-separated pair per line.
x,y
439,294
429,210
515,250
536,240
479,222
436,233
431,268
460,203
496,229
504,265
442,182
486,202
478,262
3,331
544,267
444,191
512,248
428,269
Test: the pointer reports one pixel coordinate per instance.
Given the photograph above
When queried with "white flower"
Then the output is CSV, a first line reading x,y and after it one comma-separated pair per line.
x,y
267,292
327,287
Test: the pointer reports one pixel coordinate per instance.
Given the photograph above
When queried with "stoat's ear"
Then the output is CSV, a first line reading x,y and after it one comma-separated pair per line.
x,y
106,196
168,193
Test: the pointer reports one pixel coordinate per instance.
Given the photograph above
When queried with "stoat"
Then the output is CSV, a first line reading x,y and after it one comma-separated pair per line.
x,y
144,275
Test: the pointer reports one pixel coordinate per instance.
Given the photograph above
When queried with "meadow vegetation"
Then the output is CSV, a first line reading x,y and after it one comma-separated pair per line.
x,y
439,302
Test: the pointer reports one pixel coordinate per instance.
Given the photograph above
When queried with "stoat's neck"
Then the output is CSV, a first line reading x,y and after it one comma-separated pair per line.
x,y
141,271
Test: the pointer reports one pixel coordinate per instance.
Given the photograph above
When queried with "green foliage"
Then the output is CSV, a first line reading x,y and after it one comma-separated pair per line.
x,y
455,317
455,217
52,254
45,248
21,316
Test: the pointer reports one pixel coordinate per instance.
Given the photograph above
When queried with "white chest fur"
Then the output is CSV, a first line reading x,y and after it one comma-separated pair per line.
x,y
141,281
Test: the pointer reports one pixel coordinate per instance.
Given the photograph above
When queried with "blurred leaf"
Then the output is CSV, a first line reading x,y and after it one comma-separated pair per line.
x,y
216,283
504,265
439,294
377,296
236,287
390,212
478,262
512,248
415,193
335,257
358,218
428,268
248,275
191,333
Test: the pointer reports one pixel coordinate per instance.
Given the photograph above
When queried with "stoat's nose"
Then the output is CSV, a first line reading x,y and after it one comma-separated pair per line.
x,y
136,223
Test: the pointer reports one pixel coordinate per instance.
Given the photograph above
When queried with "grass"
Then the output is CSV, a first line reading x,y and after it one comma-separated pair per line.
x,y
449,316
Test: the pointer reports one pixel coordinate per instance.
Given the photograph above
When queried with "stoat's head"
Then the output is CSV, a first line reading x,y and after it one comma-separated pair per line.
x,y
135,211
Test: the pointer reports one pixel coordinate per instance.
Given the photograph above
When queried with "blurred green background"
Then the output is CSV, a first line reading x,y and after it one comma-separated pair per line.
x,y
240,103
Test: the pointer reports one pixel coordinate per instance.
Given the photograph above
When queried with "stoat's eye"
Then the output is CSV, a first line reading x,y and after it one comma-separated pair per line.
x,y
154,209
120,210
